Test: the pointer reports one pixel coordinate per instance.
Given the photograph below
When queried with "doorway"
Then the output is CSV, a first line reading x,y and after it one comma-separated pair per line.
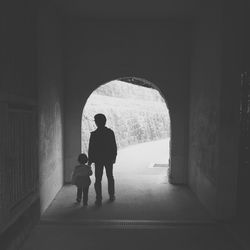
x,y
142,187
139,116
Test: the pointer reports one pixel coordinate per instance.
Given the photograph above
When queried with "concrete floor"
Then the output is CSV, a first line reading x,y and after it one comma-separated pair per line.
x,y
174,238
142,192
148,213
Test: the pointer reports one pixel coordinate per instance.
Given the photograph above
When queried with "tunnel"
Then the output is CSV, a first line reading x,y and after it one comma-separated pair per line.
x,y
55,54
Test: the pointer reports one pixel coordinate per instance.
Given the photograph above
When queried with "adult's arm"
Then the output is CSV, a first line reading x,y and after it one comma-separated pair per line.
x,y
114,146
73,176
91,149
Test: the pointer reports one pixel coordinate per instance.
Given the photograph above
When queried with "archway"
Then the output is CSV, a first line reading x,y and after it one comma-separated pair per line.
x,y
139,196
137,112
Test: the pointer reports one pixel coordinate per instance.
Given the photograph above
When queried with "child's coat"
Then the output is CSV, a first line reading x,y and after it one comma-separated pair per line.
x,y
80,176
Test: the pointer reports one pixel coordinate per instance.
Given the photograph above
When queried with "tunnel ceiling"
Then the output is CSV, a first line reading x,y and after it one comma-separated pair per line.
x,y
137,81
132,9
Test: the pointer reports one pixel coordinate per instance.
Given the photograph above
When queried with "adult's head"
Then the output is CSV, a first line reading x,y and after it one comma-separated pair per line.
x,y
100,120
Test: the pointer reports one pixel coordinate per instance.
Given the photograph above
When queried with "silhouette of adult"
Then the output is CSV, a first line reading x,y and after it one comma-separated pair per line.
x,y
102,152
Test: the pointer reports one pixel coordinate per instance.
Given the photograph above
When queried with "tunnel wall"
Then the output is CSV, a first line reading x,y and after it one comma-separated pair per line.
x,y
204,112
100,51
243,199
50,82
232,61
19,194
214,110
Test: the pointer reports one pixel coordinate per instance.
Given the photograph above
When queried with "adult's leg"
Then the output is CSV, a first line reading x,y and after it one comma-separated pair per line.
x,y
85,195
79,194
98,181
111,181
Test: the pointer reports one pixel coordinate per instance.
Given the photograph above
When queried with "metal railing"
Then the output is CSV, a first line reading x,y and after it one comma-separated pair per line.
x,y
22,172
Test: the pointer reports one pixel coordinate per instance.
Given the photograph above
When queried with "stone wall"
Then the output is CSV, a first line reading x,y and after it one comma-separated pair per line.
x,y
18,127
214,108
50,81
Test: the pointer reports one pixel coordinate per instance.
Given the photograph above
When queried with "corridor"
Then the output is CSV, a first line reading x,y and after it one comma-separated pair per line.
x,y
54,54
148,211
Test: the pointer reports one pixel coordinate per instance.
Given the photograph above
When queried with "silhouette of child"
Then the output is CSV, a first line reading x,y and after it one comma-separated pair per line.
x,y
81,178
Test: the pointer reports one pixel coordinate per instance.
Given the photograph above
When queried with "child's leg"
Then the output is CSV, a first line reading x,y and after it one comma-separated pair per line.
x,y
79,194
85,195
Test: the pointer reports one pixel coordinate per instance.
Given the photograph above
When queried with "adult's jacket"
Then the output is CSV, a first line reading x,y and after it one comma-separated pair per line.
x,y
102,146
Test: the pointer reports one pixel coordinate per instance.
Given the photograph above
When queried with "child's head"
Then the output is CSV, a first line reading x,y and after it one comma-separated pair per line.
x,y
82,158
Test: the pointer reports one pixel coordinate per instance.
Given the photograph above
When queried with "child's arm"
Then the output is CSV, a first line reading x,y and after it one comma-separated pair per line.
x,y
90,171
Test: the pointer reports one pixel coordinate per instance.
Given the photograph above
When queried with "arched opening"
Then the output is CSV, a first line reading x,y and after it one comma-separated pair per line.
x,y
143,191
137,113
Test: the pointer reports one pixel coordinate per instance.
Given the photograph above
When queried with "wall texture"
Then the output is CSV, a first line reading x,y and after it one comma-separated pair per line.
x,y
100,51
214,110
204,111
243,199
49,76
232,32
18,119
18,49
